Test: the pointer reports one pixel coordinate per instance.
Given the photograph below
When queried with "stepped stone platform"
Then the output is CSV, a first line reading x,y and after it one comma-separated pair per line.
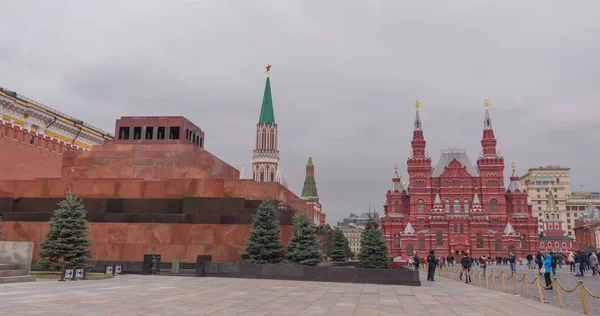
x,y
10,273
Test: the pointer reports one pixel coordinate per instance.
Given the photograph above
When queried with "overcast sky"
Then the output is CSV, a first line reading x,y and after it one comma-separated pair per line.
x,y
344,78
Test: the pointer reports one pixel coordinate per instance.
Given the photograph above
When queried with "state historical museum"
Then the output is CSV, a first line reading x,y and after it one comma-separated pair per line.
x,y
458,208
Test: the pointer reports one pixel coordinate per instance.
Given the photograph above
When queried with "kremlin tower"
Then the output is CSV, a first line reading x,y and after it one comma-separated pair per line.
x,y
265,160
310,195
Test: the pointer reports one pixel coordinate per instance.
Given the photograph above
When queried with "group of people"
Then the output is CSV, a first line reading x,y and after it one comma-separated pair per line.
x,y
579,262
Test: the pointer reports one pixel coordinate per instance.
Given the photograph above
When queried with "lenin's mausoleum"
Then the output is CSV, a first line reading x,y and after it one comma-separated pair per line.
x,y
154,189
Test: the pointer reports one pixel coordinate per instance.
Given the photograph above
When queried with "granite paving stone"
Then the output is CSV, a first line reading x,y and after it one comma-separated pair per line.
x,y
172,295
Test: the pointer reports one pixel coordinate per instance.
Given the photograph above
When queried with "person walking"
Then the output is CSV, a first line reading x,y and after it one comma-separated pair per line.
x,y
554,260
594,263
547,268
513,263
432,263
580,260
466,264
417,261
483,265
571,262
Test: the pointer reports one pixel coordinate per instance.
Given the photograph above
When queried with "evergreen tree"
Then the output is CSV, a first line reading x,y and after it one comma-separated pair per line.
x,y
338,247
264,245
373,252
303,248
330,233
66,244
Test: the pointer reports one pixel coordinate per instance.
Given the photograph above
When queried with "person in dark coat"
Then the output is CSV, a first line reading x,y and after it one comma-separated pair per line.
x,y
466,263
417,261
432,261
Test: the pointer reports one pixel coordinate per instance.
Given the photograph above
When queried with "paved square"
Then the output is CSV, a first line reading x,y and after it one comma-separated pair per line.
x,y
166,295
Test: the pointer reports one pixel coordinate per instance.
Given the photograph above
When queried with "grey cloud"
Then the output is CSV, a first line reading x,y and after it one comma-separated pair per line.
x,y
344,79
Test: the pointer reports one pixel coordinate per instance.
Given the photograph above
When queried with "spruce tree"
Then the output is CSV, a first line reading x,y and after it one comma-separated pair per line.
x,y
329,237
66,243
303,248
338,247
373,251
349,253
264,245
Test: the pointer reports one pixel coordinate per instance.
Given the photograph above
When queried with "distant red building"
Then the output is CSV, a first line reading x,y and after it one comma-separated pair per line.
x,y
554,238
457,208
587,229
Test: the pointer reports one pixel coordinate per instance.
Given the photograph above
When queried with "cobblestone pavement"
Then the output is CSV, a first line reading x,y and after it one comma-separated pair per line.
x,y
167,295
572,301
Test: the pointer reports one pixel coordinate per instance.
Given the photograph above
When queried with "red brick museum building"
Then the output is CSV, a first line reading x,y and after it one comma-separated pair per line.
x,y
458,208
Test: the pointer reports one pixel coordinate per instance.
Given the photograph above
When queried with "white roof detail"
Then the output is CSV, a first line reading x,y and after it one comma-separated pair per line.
x,y
437,199
476,199
509,230
409,229
242,174
454,153
514,186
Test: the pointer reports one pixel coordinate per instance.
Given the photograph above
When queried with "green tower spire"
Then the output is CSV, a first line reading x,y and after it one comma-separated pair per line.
x,y
267,116
309,191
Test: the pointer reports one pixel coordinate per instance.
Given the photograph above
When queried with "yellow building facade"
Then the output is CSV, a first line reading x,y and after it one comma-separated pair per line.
x,y
34,116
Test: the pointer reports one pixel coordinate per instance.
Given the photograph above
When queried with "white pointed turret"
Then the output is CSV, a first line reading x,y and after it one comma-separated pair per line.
x,y
242,174
509,230
437,205
277,175
515,183
409,230
417,117
285,178
476,205
437,200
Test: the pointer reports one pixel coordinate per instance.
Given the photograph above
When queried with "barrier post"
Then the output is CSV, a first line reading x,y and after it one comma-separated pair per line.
x,y
514,282
503,281
479,277
487,281
493,281
526,284
539,286
583,298
558,296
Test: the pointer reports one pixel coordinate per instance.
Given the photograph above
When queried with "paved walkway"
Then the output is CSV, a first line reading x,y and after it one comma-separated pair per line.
x,y
166,295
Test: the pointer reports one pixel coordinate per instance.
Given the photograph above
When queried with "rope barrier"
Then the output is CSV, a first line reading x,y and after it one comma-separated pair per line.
x,y
456,274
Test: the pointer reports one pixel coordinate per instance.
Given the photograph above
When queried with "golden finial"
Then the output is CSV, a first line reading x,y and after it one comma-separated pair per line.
x,y
417,105
310,154
403,179
396,166
524,186
268,70
486,102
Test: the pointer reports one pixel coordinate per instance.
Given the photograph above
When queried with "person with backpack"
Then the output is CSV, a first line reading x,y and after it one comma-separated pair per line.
x,y
417,261
466,264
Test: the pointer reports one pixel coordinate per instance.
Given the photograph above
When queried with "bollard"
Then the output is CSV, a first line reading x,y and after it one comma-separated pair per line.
x,y
583,298
503,279
493,281
558,296
514,282
539,286
487,281
526,284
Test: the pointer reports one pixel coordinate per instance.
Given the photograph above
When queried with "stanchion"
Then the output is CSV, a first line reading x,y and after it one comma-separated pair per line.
x,y
514,282
526,284
502,278
557,287
583,298
539,286
493,280
487,281
479,277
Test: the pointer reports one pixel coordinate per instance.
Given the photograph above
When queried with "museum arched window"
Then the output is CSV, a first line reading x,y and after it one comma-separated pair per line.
x,y
396,207
511,249
397,242
457,206
409,250
466,202
494,205
421,245
420,206
523,243
262,176
479,240
447,206
439,240
518,207
462,228
498,245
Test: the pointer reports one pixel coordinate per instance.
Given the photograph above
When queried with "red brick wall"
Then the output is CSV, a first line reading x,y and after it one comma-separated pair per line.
x,y
25,155
129,242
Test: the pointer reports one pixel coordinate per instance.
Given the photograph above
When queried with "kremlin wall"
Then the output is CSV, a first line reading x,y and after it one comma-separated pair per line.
x,y
145,193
